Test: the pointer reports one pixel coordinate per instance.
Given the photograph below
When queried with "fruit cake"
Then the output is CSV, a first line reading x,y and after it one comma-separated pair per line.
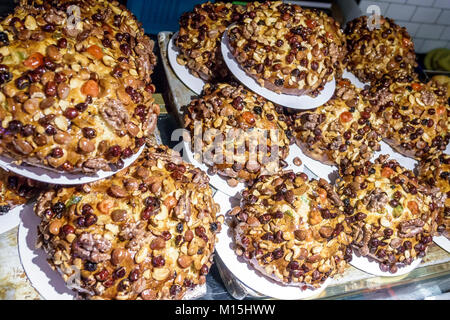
x,y
288,49
392,216
146,233
236,121
16,190
200,36
435,173
342,131
388,49
75,85
292,230
415,115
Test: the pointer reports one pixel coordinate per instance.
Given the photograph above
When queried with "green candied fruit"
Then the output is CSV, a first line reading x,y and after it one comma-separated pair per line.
x,y
289,213
73,200
398,210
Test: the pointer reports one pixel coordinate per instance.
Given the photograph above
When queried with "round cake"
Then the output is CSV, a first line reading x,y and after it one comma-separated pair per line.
x,y
342,131
200,36
146,233
16,190
386,49
240,124
288,49
74,85
291,229
415,115
435,173
392,216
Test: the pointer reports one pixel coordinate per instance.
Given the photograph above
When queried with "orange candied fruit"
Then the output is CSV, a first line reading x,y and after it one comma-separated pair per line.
x,y
346,116
386,172
440,110
90,88
416,86
414,207
249,117
311,23
170,202
34,61
105,206
344,82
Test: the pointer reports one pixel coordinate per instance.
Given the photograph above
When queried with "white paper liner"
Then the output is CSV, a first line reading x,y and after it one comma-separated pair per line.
x,y
292,101
321,170
11,219
354,80
48,282
53,177
330,173
408,163
221,184
246,273
442,242
182,72
373,267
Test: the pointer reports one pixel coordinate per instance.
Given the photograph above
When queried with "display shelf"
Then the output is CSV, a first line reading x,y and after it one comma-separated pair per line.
x,y
429,280
353,283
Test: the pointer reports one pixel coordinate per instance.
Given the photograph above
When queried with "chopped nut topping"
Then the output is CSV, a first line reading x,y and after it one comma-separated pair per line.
x,y
391,215
115,239
292,230
71,93
288,49
388,49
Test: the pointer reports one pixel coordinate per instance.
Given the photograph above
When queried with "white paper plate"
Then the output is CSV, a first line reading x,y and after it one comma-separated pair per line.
x,y
408,163
330,173
11,219
245,273
296,102
44,279
321,170
354,80
182,72
48,176
442,242
373,267
221,184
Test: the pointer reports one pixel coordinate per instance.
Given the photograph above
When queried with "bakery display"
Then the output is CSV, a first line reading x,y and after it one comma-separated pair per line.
x,y
146,233
435,173
77,99
76,96
228,123
387,49
342,131
415,115
288,49
291,230
392,216
200,35
16,190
